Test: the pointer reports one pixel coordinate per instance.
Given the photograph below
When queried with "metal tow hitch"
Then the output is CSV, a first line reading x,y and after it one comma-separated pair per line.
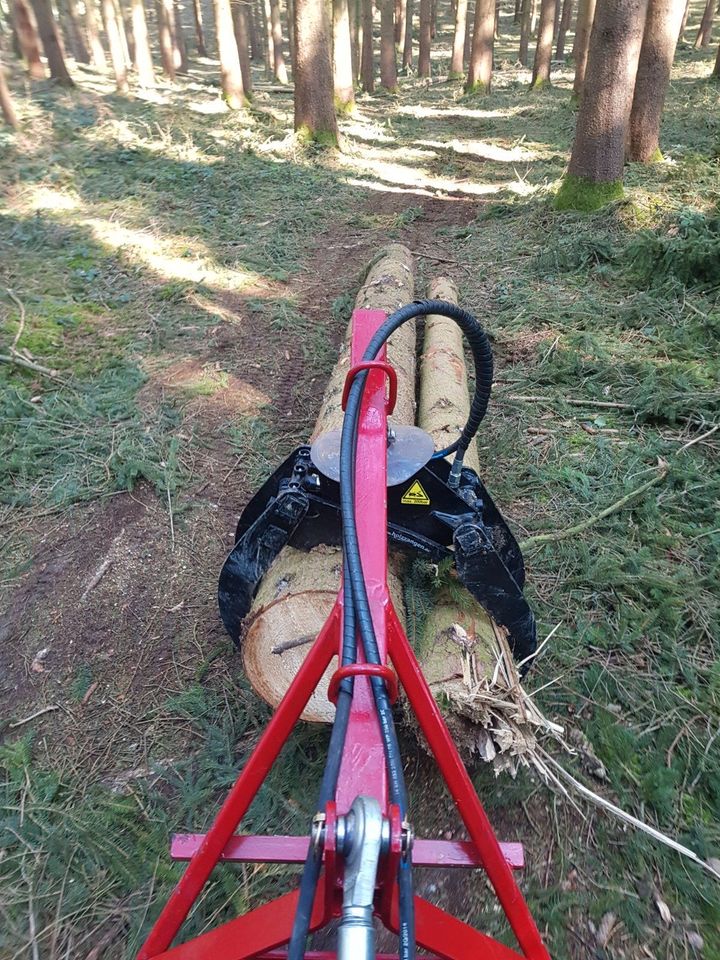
x,y
362,835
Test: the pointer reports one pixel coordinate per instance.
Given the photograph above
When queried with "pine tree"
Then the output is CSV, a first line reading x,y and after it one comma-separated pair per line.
x,y
314,108
594,176
662,27
543,51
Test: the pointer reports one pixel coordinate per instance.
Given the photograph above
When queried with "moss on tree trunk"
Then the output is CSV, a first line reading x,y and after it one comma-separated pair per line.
x,y
481,55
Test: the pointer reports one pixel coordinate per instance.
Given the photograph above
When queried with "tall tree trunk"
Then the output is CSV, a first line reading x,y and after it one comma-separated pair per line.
x,y
596,164
456,61
12,30
117,54
388,65
681,34
400,15
199,32
543,51
525,31
166,30
291,29
706,24
516,12
533,16
180,51
481,56
6,105
28,39
52,44
556,20
279,68
342,58
355,37
716,68
396,22
408,41
583,30
469,20
367,66
653,78
97,51
424,66
269,44
496,27
433,18
230,71
314,109
256,53
75,33
567,12
143,56
125,42
240,28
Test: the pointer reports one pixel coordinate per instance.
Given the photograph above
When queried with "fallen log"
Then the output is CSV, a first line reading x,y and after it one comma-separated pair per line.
x,y
464,655
297,594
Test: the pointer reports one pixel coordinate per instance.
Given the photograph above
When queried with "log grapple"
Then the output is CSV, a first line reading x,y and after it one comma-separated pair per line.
x,y
361,852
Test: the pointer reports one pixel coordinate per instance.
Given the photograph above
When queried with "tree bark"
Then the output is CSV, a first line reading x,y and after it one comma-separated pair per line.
x,y
97,51
424,65
367,64
458,48
166,29
199,32
291,30
240,27
481,58
598,154
117,54
543,51
408,41
681,33
256,53
716,68
6,105
279,68
388,65
143,56
75,32
343,76
525,31
355,37
400,15
180,47
516,12
706,24
653,78
269,44
28,39
469,20
52,44
314,109
583,30
230,70
124,42
567,12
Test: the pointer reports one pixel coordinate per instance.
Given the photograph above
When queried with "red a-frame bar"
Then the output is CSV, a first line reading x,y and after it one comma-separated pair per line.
x,y
261,933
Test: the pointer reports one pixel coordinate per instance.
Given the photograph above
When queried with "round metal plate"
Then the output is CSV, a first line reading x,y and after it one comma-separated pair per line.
x,y
409,449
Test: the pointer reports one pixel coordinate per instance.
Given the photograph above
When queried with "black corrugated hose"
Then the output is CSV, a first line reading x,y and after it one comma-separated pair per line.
x,y
357,614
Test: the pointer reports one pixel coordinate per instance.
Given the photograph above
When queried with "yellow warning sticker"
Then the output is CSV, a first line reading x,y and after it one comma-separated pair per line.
x,y
415,495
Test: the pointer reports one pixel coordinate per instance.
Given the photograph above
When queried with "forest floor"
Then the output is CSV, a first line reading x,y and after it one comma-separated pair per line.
x,y
187,274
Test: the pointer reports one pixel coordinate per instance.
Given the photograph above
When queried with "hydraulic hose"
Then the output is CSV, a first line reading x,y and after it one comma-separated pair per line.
x,y
357,615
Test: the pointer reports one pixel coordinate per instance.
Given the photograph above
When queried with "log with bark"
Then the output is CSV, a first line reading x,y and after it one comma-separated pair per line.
x,y
297,593
464,655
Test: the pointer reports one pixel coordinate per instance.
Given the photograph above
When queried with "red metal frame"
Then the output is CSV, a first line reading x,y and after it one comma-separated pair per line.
x,y
259,933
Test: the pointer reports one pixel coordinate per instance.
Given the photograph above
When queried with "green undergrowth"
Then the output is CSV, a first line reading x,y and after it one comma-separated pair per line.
x,y
88,858
607,334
